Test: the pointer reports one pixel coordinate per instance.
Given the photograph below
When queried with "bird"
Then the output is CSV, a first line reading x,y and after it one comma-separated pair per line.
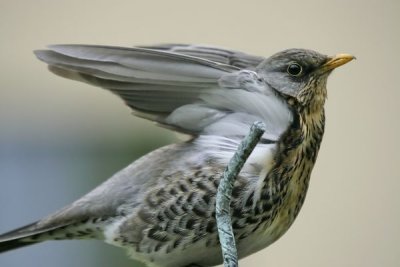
x,y
161,207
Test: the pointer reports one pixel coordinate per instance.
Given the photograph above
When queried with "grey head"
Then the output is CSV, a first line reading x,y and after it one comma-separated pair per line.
x,y
300,74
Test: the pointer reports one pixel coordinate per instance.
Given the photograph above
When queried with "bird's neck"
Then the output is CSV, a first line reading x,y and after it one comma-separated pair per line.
x,y
287,182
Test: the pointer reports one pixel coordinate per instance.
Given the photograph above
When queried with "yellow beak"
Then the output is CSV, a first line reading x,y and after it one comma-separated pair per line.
x,y
336,61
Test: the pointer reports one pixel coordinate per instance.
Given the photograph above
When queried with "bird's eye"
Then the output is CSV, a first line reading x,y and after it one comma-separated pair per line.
x,y
294,69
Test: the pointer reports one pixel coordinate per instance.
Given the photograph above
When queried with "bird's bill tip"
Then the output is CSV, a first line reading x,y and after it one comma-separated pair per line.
x,y
337,61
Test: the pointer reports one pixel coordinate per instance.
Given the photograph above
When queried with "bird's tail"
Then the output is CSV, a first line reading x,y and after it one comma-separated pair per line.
x,y
32,234
20,237
13,244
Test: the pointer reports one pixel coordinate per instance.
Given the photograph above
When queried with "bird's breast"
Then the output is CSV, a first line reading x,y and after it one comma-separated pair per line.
x,y
281,189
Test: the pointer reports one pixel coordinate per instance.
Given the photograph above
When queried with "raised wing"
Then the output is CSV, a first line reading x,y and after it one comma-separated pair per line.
x,y
180,91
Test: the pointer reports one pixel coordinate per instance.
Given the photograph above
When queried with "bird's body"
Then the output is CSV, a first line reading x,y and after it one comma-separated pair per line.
x,y
161,208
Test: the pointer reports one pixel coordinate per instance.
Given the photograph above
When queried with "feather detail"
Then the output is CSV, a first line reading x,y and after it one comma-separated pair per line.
x,y
216,54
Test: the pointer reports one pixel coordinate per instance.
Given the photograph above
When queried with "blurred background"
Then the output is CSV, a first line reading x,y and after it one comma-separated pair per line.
x,y
59,138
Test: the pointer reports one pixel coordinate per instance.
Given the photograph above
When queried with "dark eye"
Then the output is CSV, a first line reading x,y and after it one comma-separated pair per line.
x,y
294,69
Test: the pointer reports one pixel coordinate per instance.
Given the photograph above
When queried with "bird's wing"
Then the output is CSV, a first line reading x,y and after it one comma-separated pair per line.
x,y
180,91
216,54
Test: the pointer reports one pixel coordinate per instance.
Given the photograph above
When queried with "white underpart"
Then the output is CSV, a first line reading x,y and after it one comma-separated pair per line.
x,y
111,231
257,165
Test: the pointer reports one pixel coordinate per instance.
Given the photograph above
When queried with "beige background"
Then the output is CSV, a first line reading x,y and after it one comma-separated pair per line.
x,y
72,133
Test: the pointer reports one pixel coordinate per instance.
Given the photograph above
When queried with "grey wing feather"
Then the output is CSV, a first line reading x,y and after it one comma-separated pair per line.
x,y
148,100
134,64
216,54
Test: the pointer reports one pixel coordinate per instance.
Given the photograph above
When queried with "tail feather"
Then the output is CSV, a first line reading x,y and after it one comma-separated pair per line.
x,y
24,236
19,238
13,244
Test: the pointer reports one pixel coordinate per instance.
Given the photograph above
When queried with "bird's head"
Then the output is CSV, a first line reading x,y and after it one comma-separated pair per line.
x,y
300,75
